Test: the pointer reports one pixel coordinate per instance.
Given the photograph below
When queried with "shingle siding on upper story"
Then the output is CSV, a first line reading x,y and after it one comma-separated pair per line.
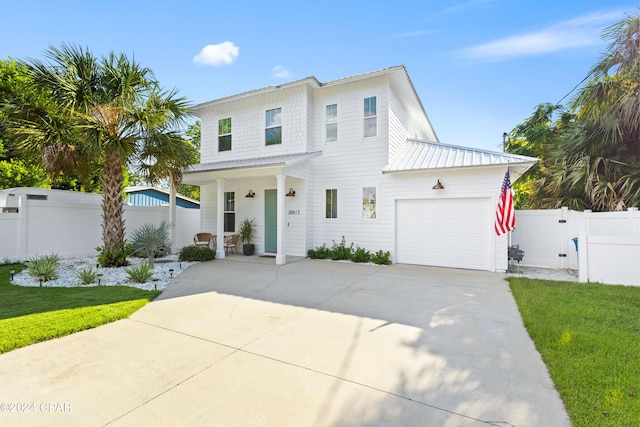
x,y
248,125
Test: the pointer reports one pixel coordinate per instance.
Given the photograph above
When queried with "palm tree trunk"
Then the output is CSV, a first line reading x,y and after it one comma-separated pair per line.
x,y
112,202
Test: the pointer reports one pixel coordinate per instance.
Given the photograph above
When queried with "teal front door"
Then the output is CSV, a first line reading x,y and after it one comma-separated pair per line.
x,y
271,221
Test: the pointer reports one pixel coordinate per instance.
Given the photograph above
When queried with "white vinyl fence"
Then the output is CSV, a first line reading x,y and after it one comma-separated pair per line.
x,y
603,246
75,229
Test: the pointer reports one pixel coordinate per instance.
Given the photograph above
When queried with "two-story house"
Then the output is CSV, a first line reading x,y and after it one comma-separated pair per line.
x,y
312,162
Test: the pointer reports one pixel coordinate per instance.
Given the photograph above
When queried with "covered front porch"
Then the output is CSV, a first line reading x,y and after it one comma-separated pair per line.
x,y
271,191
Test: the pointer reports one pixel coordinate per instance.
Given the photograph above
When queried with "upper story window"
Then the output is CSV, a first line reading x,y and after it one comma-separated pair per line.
x,y
273,127
224,134
331,203
331,126
370,117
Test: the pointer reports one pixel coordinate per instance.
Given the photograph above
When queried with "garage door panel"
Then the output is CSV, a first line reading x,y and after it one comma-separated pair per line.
x,y
446,232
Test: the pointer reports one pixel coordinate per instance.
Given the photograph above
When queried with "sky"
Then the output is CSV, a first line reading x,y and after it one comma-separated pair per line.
x,y
480,67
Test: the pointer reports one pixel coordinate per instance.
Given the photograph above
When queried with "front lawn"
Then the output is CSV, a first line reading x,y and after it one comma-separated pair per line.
x,y
589,337
32,314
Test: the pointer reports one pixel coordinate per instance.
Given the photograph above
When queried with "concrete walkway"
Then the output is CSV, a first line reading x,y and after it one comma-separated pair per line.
x,y
310,343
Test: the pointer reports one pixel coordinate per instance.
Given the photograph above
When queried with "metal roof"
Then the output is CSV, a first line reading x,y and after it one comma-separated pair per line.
x,y
284,160
421,155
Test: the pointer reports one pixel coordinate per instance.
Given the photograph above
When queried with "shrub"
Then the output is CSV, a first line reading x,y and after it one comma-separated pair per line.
x,y
45,267
321,252
116,258
340,251
140,273
196,253
381,258
361,255
151,241
88,276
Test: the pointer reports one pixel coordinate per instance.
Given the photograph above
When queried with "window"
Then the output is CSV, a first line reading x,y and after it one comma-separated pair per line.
x,y
332,123
332,203
229,211
370,117
273,131
369,203
224,134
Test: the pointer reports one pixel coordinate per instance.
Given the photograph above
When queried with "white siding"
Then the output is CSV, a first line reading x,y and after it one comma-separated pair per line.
x,y
248,125
350,164
398,125
208,208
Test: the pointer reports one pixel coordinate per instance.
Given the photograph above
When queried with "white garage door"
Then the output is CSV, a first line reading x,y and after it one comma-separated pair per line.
x,y
445,232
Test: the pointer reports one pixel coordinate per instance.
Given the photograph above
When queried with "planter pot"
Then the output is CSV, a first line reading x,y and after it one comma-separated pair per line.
x,y
248,248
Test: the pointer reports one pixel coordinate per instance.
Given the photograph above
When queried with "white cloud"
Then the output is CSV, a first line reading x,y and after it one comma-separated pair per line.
x,y
575,33
217,54
280,72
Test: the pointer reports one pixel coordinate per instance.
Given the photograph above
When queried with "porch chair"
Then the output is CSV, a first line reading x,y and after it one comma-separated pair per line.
x,y
205,239
231,243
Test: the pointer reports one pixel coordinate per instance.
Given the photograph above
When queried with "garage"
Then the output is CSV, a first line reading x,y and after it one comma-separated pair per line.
x,y
445,232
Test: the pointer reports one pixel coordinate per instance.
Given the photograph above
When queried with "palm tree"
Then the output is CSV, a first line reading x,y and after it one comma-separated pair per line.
x,y
599,161
115,112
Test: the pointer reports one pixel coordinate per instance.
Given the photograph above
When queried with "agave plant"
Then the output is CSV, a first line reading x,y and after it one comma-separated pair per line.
x,y
150,241
45,267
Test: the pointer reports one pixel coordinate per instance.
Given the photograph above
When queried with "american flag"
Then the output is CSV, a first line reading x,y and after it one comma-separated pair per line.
x,y
505,215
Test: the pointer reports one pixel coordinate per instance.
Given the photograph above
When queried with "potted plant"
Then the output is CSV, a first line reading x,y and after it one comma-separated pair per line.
x,y
246,232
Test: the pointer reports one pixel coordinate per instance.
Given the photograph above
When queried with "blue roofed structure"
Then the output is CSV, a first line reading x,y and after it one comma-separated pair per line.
x,y
153,196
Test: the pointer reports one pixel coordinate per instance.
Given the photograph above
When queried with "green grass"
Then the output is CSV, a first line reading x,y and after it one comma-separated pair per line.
x,y
33,314
589,337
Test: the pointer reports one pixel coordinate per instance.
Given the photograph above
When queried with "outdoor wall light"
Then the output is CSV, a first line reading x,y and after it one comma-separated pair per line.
x,y
99,278
12,272
291,193
250,194
438,186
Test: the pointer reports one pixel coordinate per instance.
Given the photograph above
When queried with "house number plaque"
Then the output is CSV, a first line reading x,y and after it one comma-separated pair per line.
x,y
294,211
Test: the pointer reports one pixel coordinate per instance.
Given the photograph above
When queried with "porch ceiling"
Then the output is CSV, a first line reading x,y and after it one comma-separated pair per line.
x,y
204,173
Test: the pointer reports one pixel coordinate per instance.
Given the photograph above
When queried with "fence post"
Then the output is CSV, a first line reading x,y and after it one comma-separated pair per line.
x,y
583,257
564,236
22,228
634,227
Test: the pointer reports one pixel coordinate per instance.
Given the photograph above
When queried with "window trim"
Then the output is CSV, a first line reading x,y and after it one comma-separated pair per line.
x,y
225,134
362,202
267,127
330,122
367,118
225,211
334,201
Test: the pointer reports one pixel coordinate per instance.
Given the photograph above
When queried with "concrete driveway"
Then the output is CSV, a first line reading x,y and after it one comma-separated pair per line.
x,y
311,343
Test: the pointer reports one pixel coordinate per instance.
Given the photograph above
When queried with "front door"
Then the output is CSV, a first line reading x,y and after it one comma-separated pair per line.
x,y
271,221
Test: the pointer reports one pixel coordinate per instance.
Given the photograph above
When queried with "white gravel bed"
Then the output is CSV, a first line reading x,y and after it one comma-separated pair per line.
x,y
69,268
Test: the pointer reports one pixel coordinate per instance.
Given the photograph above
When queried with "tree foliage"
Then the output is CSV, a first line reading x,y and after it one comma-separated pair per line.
x,y
193,136
104,114
591,152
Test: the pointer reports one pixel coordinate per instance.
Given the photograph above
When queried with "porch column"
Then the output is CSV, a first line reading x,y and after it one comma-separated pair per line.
x,y
281,258
172,217
220,219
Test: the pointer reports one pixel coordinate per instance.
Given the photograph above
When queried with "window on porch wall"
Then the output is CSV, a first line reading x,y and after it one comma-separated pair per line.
x,y
229,212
